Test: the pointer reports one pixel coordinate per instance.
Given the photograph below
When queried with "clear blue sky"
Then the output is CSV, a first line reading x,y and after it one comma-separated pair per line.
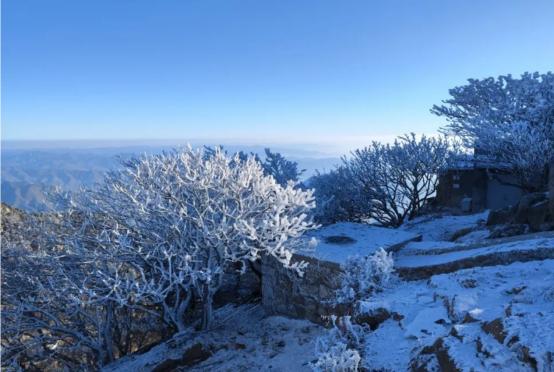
x,y
283,70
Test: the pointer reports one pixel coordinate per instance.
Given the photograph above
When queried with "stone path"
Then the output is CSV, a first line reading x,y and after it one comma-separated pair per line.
x,y
413,264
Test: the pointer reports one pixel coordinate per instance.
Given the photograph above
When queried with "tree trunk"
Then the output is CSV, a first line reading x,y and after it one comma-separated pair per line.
x,y
207,308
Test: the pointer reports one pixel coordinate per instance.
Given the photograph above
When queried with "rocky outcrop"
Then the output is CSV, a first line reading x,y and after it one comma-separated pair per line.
x,y
533,210
308,297
239,287
183,350
501,216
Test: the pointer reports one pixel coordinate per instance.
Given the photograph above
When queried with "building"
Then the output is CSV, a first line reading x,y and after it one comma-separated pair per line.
x,y
473,185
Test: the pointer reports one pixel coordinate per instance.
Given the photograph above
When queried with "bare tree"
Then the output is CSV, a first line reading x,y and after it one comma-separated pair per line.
x,y
339,197
397,180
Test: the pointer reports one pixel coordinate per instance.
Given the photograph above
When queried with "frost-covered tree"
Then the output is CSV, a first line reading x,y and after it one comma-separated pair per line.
x,y
338,196
274,164
280,168
143,248
48,318
507,120
169,225
396,180
343,348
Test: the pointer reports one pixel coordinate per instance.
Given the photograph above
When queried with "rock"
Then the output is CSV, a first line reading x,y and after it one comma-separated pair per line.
x,y
503,231
194,355
285,293
526,357
501,216
533,203
237,287
373,318
469,283
487,258
181,351
496,329
459,233
339,239
537,214
440,352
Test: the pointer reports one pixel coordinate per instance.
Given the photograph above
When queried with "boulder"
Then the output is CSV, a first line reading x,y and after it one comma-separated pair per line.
x,y
238,286
533,210
504,231
501,216
373,318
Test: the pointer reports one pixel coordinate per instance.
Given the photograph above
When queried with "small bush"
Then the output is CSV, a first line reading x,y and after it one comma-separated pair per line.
x,y
364,275
337,351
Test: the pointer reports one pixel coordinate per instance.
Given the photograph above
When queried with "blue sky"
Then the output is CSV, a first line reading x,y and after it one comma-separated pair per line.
x,y
263,71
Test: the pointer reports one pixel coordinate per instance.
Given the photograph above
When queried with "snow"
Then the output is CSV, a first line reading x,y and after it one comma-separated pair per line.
x,y
243,338
430,260
424,247
430,309
443,227
275,343
366,240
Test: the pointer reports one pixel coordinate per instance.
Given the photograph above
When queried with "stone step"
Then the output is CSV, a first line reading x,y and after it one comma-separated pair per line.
x,y
415,267
441,247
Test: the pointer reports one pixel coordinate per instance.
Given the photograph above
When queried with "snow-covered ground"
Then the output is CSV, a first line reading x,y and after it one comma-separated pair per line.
x,y
337,242
405,259
445,227
260,343
244,338
498,317
493,318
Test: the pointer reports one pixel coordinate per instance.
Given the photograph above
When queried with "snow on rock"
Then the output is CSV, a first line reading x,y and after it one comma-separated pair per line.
x,y
428,260
444,227
478,319
339,241
427,247
244,338
418,266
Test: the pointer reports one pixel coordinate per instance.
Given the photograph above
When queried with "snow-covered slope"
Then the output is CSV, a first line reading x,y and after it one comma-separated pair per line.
x,y
337,242
493,318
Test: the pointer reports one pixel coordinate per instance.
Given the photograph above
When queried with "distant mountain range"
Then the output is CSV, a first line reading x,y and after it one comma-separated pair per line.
x,y
27,172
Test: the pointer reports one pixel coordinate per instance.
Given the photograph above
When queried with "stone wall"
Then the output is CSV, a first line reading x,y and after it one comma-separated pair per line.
x,y
285,293
459,184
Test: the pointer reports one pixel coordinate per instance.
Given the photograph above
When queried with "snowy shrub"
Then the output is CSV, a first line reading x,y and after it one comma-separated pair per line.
x,y
153,241
342,348
337,197
506,120
283,170
274,164
337,351
48,320
396,180
337,358
364,275
170,224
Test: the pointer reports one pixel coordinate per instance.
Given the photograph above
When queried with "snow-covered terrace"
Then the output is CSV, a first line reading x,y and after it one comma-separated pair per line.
x,y
335,243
